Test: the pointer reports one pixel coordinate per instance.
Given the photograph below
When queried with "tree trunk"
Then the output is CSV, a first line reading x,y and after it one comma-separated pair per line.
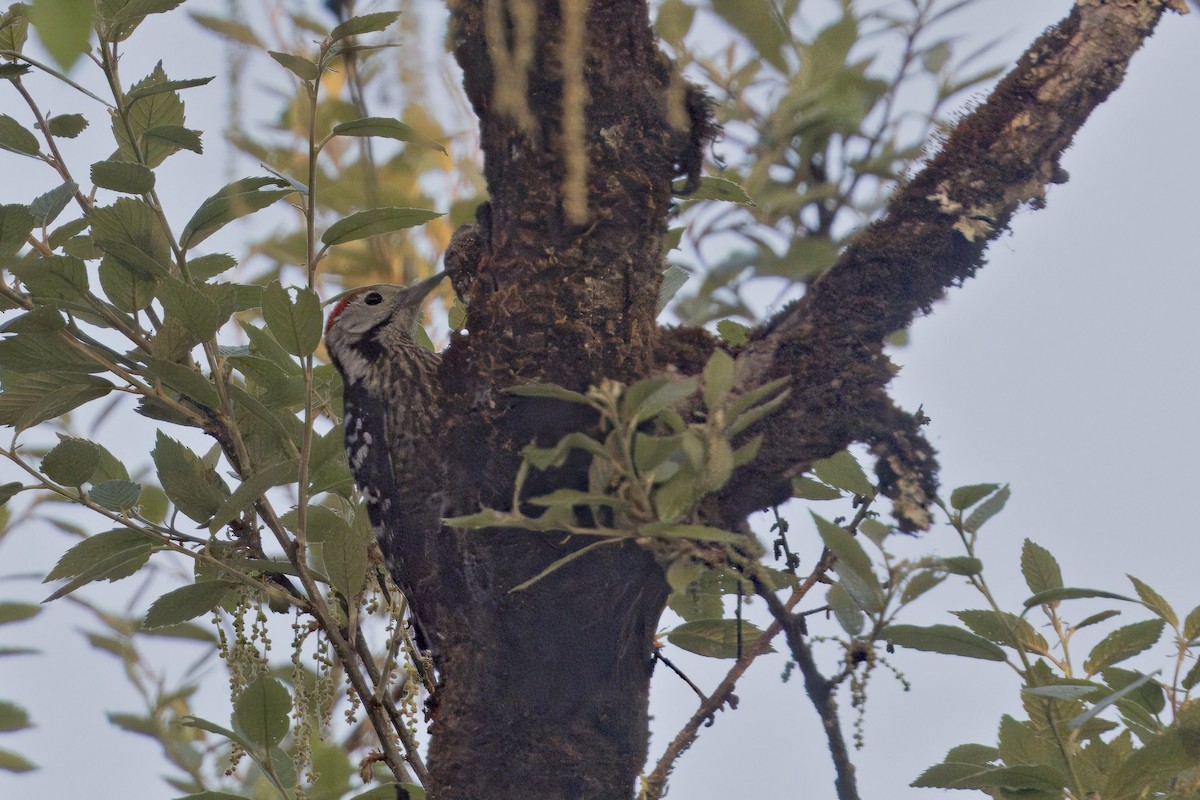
x,y
584,125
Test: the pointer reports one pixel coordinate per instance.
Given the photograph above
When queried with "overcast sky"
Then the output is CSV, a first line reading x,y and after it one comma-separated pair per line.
x,y
1067,368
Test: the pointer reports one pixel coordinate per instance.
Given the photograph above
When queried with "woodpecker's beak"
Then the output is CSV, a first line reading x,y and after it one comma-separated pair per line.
x,y
414,295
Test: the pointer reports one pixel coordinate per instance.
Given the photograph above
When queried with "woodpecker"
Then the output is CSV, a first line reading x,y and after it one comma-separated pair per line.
x,y
390,416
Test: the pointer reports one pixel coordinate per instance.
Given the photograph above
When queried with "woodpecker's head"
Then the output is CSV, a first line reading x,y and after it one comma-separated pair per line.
x,y
376,317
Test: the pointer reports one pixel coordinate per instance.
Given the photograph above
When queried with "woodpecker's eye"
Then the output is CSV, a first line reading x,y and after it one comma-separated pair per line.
x,y
372,298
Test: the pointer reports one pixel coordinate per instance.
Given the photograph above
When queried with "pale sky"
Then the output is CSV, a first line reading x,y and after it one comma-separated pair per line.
x,y
1066,368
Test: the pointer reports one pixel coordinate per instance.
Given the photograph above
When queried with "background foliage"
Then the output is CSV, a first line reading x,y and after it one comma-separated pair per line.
x,y
114,310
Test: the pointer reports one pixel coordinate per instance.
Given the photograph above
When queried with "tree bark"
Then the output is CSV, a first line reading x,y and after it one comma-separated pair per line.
x,y
544,692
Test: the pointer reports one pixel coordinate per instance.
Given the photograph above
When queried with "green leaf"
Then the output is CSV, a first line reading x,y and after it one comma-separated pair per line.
x,y
1064,691
163,86
943,639
129,230
919,584
296,326
964,497
385,128
184,380
646,398
159,110
1155,602
261,712
549,390
1191,625
249,490
303,68
95,549
1052,596
122,176
988,509
234,31
960,565
1040,568
364,23
17,612
1125,642
700,533
758,22
1004,629
14,27
66,126
46,208
16,223
718,379
716,638
376,221
733,333
196,489
715,189
233,201
843,471
11,762
173,138
116,495
64,26
186,602
30,399
9,490
72,461
16,138
574,497
13,717
673,279
545,457
122,559
117,19
845,609
346,557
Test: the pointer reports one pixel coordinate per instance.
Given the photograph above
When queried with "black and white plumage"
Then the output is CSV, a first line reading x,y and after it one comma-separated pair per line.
x,y
391,416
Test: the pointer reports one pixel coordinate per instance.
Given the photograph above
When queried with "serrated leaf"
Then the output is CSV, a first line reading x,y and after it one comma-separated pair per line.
x,y
163,86
186,603
66,126
261,712
385,128
919,584
549,390
673,279
1040,568
1004,629
944,639
116,20
964,497
122,176
14,27
301,67
716,638
808,489
733,333
46,208
988,509
116,495
162,110
119,564
1052,596
845,609
1122,643
346,558
16,223
701,533
196,489
173,138
1095,618
130,231
30,399
16,138
9,490
193,307
1155,602
714,189
72,461
1065,692
233,201
843,471
1191,625
296,326
961,565
759,23
364,23
95,549
374,222
249,490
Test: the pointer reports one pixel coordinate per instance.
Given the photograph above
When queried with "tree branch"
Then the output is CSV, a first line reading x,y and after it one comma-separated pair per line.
x,y
1001,156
